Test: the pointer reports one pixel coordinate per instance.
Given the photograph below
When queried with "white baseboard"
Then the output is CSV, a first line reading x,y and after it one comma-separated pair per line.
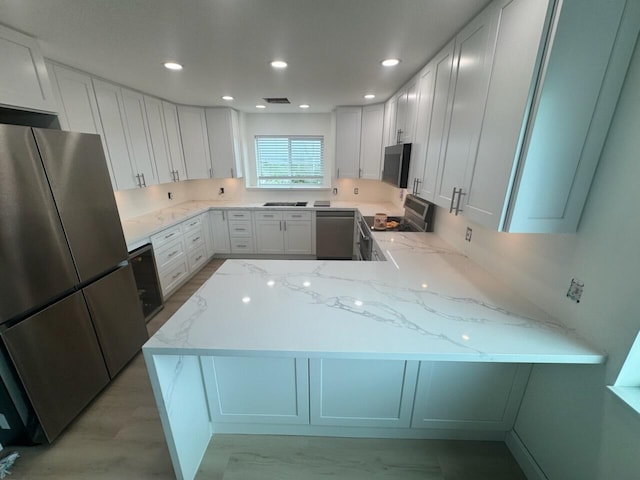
x,y
527,463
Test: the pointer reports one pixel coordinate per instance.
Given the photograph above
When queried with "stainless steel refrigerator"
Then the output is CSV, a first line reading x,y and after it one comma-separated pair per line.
x,y
70,317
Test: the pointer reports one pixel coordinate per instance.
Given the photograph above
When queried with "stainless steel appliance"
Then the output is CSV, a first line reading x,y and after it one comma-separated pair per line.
x,y
69,313
365,240
395,170
334,235
145,272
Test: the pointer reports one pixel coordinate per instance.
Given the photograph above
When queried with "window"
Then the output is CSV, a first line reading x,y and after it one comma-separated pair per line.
x,y
285,161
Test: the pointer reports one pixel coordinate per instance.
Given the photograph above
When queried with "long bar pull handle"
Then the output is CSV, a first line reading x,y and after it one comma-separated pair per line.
x,y
210,172
280,225
232,176
418,182
139,182
144,182
285,225
173,175
223,217
453,197
460,194
178,175
338,176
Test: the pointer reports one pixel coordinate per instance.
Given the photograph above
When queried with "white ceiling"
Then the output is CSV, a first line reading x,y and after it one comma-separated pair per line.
x,y
333,47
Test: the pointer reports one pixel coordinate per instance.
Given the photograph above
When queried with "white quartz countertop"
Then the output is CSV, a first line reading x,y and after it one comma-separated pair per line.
x,y
137,230
427,302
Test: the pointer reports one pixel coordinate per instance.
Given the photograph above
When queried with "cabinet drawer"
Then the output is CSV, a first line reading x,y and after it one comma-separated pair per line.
x,y
191,224
165,236
169,253
269,215
194,238
174,276
240,229
197,258
239,214
297,215
242,245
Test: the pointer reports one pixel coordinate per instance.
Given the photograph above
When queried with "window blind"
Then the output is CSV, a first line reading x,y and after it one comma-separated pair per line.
x,y
289,160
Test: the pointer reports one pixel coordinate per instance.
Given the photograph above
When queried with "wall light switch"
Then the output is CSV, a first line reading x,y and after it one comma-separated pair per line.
x,y
467,236
356,191
170,195
335,191
221,191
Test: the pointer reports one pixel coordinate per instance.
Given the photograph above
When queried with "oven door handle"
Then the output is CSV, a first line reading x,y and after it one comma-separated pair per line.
x,y
362,235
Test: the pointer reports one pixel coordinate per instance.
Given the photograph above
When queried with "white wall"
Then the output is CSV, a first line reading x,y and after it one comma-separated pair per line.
x,y
570,423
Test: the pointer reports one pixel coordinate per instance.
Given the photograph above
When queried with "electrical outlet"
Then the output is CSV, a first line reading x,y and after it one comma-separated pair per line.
x,y
335,191
356,191
575,290
221,191
467,236
170,195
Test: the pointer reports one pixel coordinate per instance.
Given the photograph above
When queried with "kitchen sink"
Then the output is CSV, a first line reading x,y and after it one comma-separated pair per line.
x,y
285,204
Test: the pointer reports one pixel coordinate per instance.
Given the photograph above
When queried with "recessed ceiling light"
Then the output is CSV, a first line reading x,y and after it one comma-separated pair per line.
x,y
304,105
279,64
369,96
260,106
227,97
390,62
173,66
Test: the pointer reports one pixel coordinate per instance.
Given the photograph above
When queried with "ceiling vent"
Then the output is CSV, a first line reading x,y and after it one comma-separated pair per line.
x,y
280,100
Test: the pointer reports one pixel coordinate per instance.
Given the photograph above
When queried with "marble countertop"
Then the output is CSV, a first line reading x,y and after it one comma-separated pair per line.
x,y
426,302
137,230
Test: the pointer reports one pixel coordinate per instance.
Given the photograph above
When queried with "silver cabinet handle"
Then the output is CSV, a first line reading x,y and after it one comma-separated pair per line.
x,y
139,182
414,185
176,275
144,182
173,175
296,216
338,175
178,175
198,258
195,239
170,235
232,176
280,225
458,192
267,216
172,254
359,173
285,225
418,182
210,172
364,237
223,218
193,223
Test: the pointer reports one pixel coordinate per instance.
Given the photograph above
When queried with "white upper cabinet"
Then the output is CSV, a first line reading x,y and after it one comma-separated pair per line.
x,y
406,109
174,141
224,142
371,141
195,142
432,124
473,57
112,117
359,137
24,81
158,136
139,138
389,127
348,127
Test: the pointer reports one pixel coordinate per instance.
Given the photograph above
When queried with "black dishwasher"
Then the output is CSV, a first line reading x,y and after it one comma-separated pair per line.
x,y
145,273
334,235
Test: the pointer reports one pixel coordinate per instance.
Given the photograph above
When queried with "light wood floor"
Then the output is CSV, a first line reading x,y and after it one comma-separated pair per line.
x,y
119,436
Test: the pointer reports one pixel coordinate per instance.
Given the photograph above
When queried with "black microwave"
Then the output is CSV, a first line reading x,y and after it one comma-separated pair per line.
x,y
396,165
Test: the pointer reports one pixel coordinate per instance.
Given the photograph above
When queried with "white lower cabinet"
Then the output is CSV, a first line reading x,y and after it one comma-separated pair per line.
x,y
469,395
362,393
288,232
219,224
257,389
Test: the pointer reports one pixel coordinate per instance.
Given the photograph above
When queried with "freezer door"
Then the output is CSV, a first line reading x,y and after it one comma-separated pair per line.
x,y
117,316
77,171
57,357
35,261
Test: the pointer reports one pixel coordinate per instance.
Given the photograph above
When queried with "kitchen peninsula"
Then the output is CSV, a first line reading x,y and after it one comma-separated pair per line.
x,y
423,345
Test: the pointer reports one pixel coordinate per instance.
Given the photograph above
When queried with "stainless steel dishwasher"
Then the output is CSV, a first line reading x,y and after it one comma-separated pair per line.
x,y
334,235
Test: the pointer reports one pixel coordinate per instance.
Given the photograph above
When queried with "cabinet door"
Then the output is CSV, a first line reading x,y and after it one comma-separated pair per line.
x,y
77,105
436,133
220,231
469,395
112,117
401,115
390,137
158,135
410,111
139,139
222,129
473,56
208,234
522,24
371,142
297,237
269,236
420,141
24,81
362,393
174,140
257,390
195,144
348,125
